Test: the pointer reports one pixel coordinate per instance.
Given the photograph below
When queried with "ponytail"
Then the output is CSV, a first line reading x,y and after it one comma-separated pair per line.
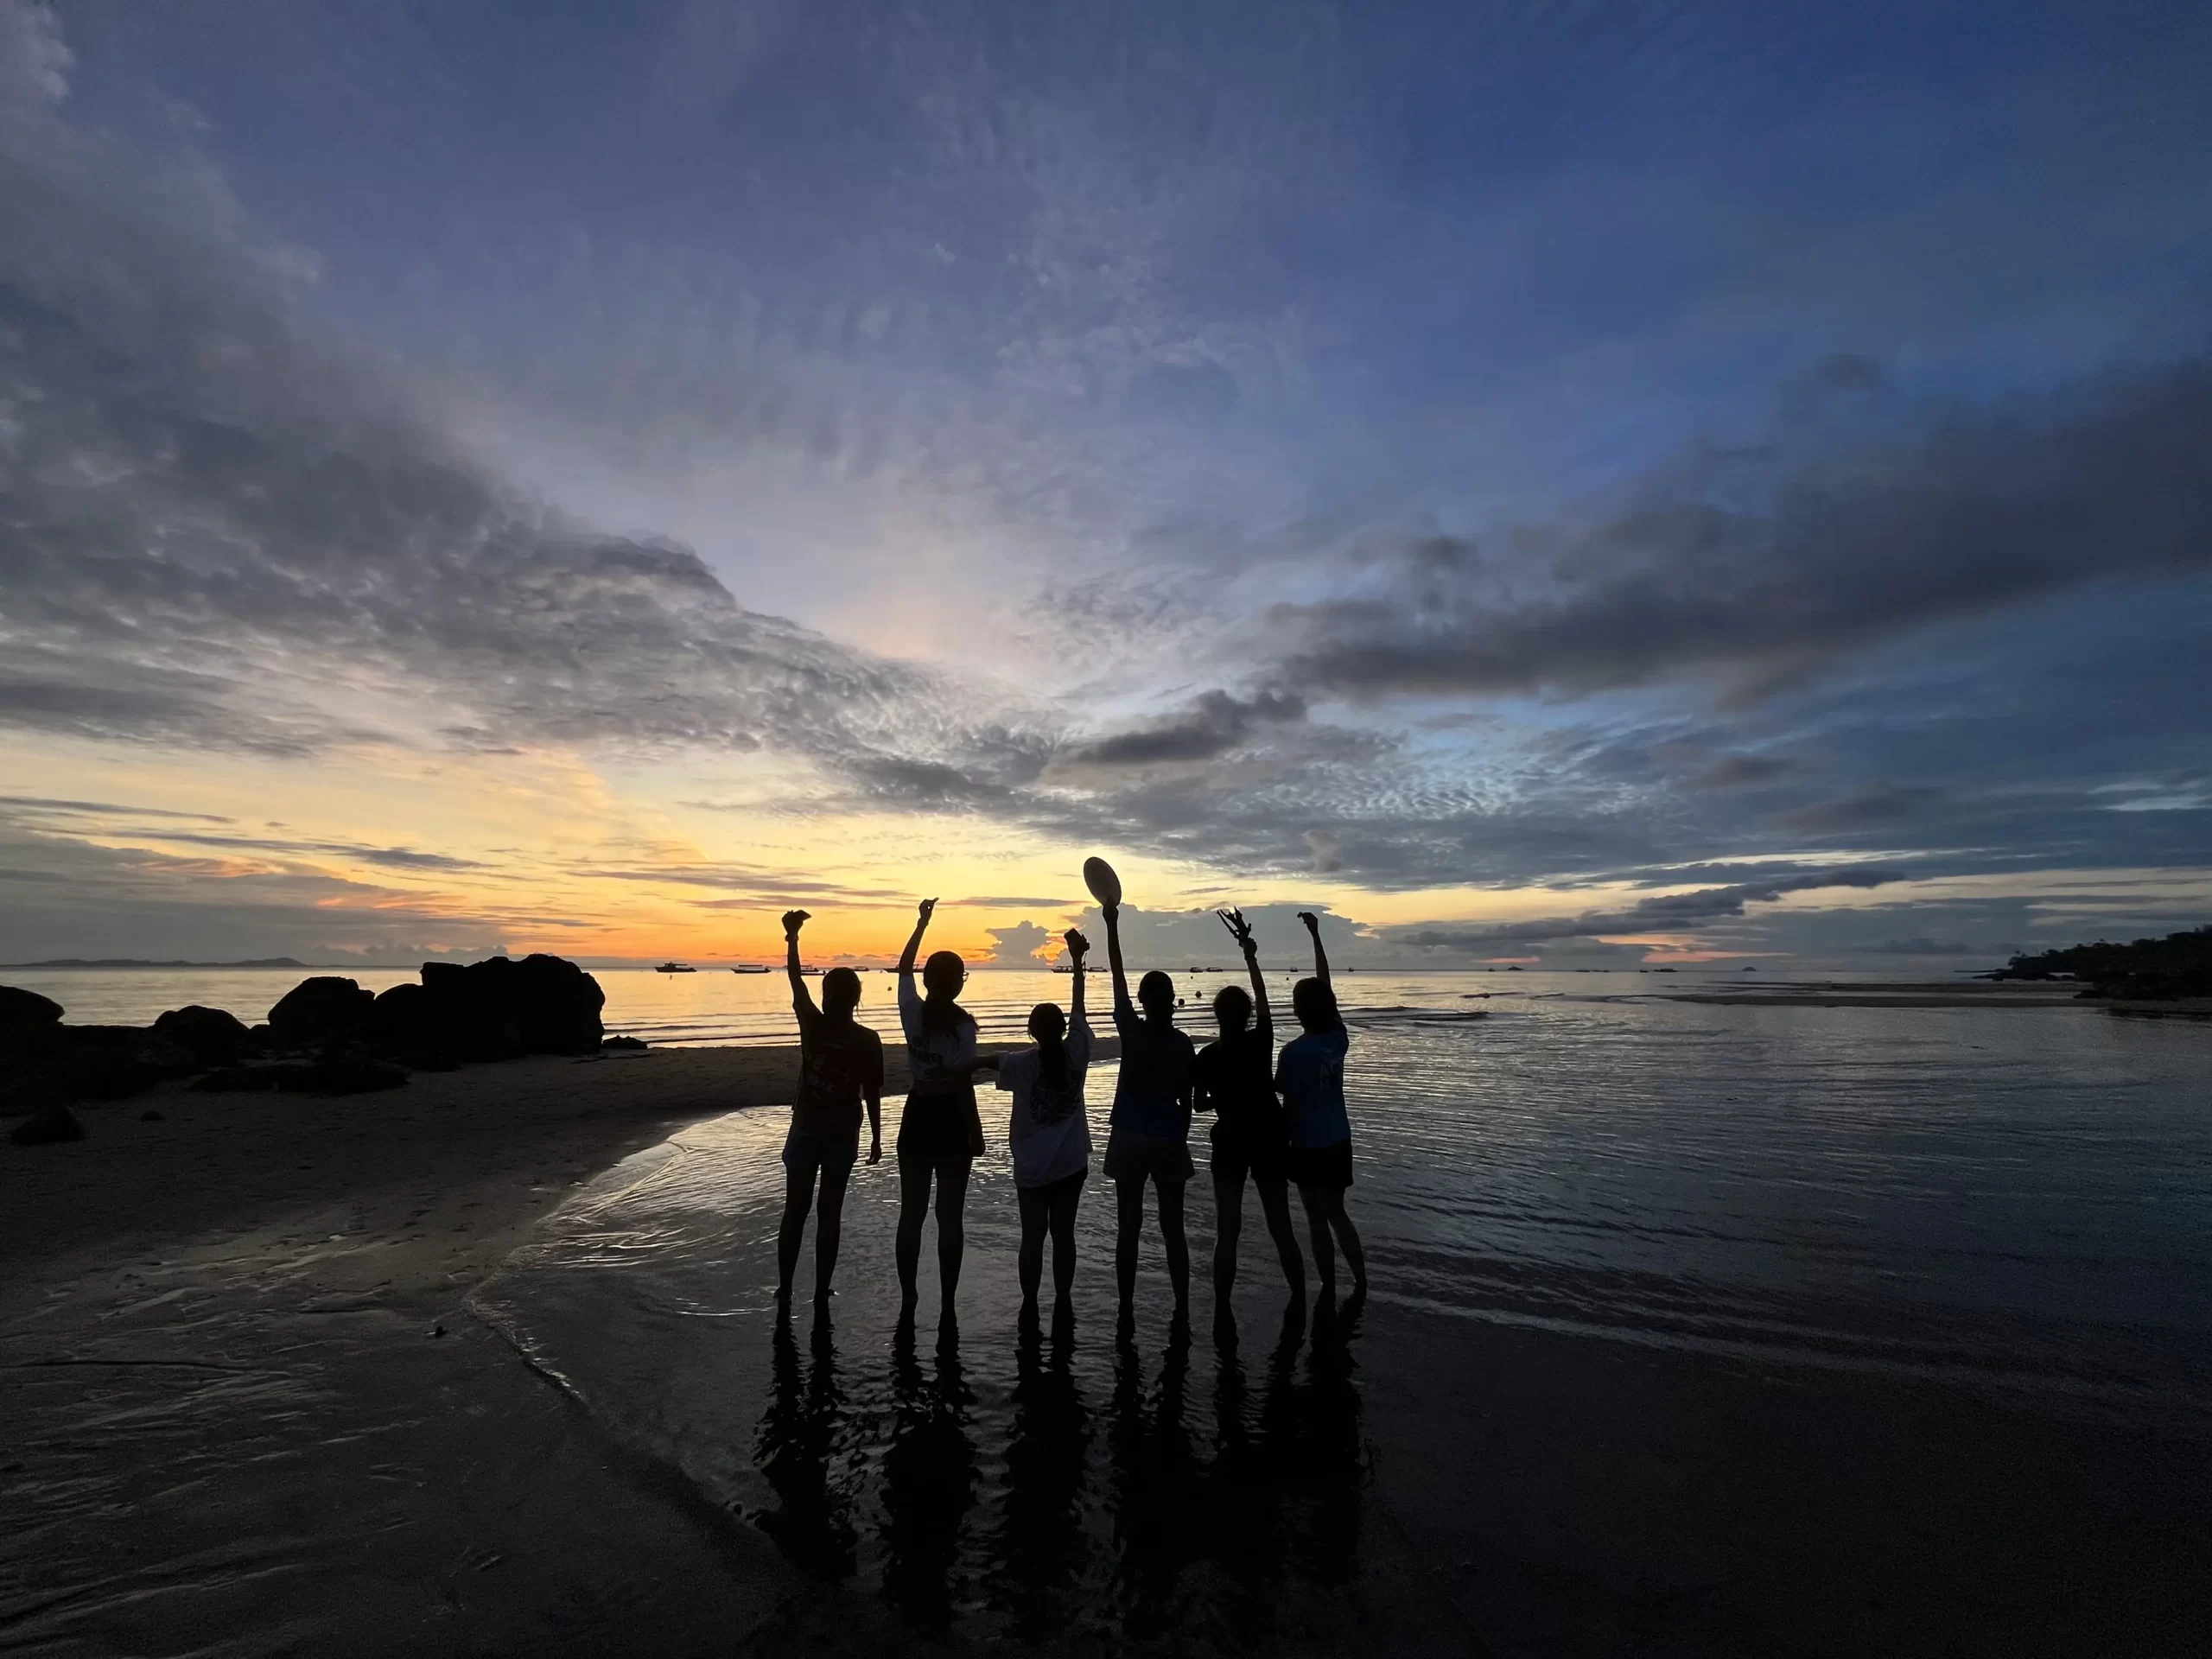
x,y
1053,1053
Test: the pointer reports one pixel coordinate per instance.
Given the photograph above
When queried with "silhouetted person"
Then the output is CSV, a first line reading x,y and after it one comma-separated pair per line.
x,y
1050,1135
1150,1134
1311,1078
840,1066
939,1132
1233,1078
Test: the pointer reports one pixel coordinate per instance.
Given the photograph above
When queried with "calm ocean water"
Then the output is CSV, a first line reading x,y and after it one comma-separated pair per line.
x,y
715,1006
2012,1203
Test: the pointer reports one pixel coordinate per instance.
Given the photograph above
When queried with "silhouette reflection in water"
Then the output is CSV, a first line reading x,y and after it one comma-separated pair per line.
x,y
929,1484
1042,1547
1050,1488
803,1443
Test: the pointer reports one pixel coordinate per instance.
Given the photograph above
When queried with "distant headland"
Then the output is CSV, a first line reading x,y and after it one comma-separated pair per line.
x,y
138,962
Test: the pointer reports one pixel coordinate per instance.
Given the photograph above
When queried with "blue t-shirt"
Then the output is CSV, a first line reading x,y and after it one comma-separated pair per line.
x,y
1153,1095
1310,1076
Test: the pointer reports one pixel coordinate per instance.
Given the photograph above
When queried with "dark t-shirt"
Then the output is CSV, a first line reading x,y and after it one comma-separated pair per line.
x,y
840,1062
1230,1078
1152,1097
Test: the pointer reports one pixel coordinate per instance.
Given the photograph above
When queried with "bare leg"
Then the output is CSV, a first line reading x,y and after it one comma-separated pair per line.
x,y
828,1231
799,1198
1348,1242
1064,1208
1227,1222
1035,1209
1274,1203
913,1205
1324,1255
1178,1249
1128,1201
951,1236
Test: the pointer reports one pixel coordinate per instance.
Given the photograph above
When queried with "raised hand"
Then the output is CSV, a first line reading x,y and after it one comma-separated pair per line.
x,y
794,920
1239,929
1079,947
923,910
1312,922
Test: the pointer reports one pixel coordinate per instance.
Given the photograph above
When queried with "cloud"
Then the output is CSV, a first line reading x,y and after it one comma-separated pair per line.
x,y
223,531
41,805
1739,771
1214,723
1764,567
1021,944
1883,803
1664,913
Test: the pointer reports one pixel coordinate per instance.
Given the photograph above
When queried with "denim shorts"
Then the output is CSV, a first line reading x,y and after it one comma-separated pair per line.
x,y
805,1152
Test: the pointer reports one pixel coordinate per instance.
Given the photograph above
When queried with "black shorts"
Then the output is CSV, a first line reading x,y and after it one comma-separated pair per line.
x,y
1328,1168
1066,1187
934,1127
1132,1157
1236,1156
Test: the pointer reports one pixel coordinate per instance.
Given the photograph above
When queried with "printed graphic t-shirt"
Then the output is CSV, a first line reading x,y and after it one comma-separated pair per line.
x,y
1048,1130
1312,1078
840,1064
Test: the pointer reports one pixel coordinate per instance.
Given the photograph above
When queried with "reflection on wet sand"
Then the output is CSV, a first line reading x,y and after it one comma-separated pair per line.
x,y
802,1447
1041,1547
1098,1494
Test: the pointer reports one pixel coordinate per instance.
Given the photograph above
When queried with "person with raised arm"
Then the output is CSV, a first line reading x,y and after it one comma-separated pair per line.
x,y
1310,1077
1049,1134
1233,1078
840,1066
939,1133
1150,1134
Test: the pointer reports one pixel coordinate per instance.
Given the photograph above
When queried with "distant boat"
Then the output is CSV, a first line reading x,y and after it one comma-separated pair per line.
x,y
1063,967
742,968
676,968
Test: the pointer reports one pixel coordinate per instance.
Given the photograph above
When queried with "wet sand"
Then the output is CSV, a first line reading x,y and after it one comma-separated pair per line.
x,y
297,1269
250,1411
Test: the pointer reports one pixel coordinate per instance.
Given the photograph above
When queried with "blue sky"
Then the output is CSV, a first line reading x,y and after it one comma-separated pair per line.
x,y
1465,466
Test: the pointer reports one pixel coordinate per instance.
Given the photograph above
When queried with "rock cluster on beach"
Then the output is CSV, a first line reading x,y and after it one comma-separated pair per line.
x,y
326,1035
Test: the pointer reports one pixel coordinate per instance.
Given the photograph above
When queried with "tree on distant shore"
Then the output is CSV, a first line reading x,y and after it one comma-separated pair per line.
x,y
2178,965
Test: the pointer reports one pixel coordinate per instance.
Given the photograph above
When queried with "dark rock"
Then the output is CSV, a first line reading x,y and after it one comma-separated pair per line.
x,y
45,1127
213,1036
22,1011
498,1009
243,1080
347,1075
333,1074
68,1062
625,1045
403,1020
318,1012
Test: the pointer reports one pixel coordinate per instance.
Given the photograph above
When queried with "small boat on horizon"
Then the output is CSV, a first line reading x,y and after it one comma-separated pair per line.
x,y
676,968
752,967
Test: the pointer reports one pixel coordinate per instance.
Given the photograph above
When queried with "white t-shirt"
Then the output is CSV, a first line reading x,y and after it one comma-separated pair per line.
x,y
1048,1130
932,1055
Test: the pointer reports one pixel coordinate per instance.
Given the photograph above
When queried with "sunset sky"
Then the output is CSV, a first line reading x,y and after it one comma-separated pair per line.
x,y
1578,485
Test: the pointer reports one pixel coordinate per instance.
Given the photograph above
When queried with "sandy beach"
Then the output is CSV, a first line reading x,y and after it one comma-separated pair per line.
x,y
255,1408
